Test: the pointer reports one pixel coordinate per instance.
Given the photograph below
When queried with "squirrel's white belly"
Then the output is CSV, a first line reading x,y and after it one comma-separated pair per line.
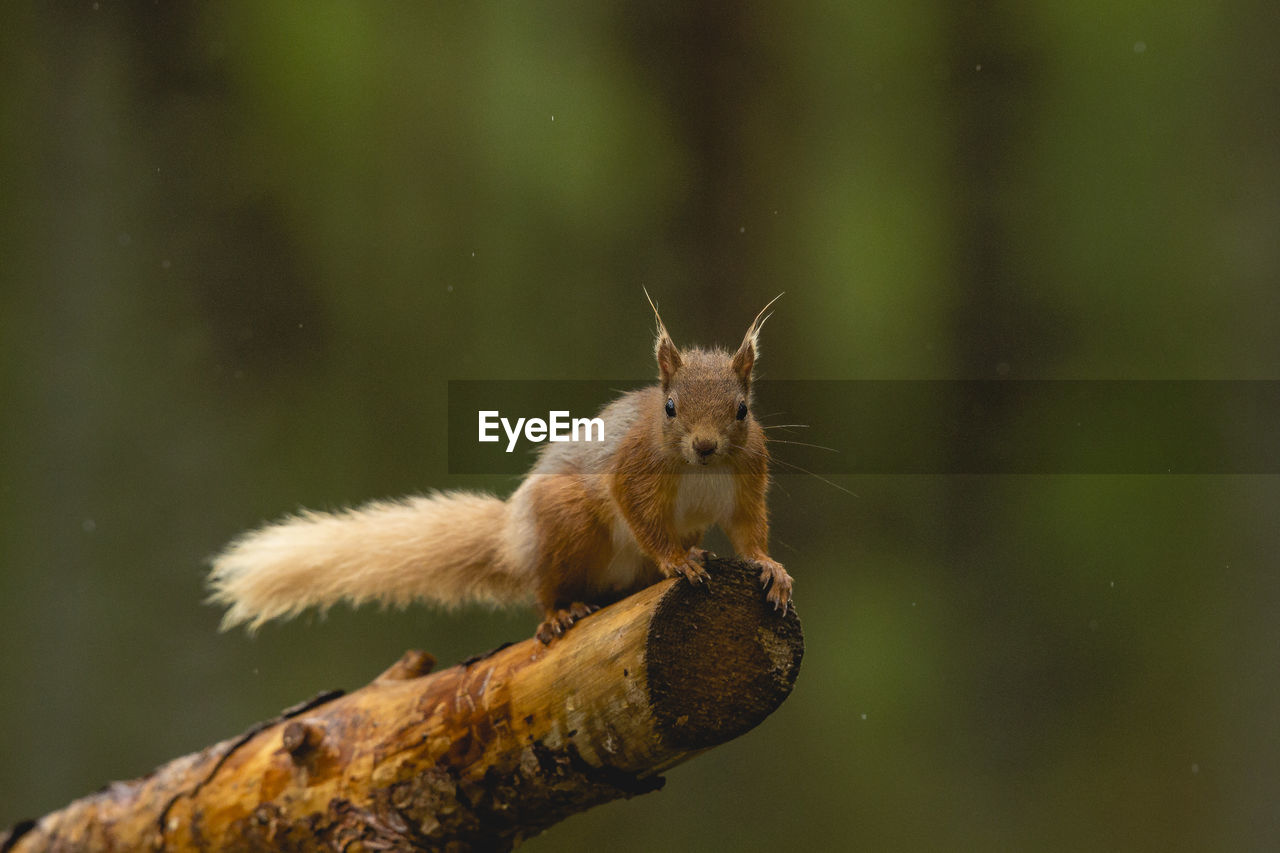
x,y
703,498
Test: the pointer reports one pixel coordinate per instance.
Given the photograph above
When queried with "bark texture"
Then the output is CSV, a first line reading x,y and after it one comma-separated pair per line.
x,y
478,756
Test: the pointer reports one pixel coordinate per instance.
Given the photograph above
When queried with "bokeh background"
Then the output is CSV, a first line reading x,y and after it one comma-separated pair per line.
x,y
245,245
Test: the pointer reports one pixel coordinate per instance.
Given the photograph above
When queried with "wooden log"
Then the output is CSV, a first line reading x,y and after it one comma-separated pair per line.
x,y
478,756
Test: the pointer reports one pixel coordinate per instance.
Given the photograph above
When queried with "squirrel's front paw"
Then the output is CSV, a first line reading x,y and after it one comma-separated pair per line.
x,y
775,579
689,567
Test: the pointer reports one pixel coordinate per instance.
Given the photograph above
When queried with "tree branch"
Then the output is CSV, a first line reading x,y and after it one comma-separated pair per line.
x,y
480,755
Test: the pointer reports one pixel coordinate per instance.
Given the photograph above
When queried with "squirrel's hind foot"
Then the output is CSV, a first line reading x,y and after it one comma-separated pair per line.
x,y
560,620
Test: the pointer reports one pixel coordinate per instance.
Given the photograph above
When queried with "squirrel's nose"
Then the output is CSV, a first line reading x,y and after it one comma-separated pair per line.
x,y
704,447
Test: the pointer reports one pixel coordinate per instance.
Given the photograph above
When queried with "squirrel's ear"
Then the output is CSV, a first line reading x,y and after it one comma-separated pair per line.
x,y
745,358
668,357
664,348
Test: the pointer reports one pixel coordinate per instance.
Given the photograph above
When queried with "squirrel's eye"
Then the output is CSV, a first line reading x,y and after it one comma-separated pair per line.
x,y
671,408
742,411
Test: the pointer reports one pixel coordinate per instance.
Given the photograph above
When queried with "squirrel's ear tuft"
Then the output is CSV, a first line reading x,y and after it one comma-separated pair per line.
x,y
745,358
664,348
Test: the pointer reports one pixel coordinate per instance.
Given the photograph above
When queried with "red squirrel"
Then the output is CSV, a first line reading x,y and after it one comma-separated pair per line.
x,y
591,523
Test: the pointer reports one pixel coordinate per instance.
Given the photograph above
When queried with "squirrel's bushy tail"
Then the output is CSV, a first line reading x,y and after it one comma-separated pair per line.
x,y
442,548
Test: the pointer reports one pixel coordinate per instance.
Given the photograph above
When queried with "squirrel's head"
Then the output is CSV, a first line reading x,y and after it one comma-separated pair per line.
x,y
706,394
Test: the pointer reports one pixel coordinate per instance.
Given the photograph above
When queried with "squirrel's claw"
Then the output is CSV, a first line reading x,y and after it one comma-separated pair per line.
x,y
700,557
774,578
695,574
547,632
559,621
688,569
779,596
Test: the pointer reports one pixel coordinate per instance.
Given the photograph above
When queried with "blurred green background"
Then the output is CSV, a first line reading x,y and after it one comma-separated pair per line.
x,y
246,244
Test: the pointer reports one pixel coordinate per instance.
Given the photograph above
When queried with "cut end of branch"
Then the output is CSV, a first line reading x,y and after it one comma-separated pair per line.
x,y
720,660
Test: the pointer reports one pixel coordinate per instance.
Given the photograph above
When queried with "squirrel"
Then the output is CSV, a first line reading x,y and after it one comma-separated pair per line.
x,y
591,523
